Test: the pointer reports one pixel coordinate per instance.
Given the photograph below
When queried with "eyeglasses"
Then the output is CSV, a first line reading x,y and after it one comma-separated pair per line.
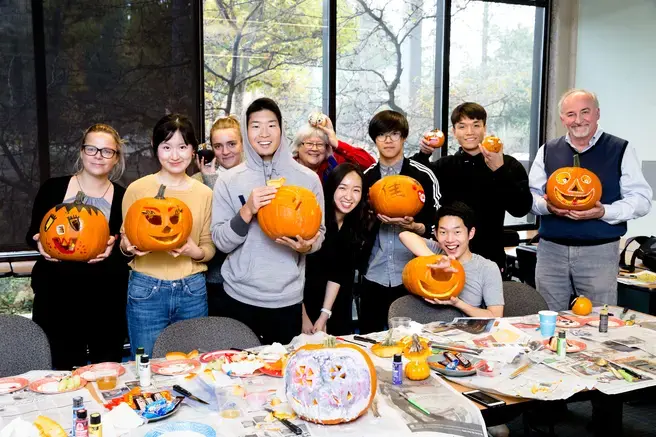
x,y
105,152
310,145
394,136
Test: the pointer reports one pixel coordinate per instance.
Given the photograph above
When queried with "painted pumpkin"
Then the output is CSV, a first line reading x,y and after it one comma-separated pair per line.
x,y
435,138
492,144
397,196
582,306
205,151
74,231
423,281
49,428
388,347
158,223
330,383
573,188
317,119
294,211
417,354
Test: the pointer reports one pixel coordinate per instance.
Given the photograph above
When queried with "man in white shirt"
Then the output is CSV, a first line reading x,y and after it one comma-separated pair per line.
x,y
579,250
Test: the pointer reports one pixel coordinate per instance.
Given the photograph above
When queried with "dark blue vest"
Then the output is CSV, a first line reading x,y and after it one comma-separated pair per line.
x,y
605,160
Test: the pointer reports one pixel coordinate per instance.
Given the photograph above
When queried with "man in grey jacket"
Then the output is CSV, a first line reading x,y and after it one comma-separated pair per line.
x,y
263,279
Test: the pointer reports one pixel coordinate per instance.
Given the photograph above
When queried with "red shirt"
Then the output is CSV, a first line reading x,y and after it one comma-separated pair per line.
x,y
345,153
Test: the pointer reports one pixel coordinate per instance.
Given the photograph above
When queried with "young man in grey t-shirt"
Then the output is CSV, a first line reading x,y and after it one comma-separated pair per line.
x,y
482,295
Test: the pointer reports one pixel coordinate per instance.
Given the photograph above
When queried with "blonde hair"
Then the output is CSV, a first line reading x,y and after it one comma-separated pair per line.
x,y
309,131
572,91
227,122
119,167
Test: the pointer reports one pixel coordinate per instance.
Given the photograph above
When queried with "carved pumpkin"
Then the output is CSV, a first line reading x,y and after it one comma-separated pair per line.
x,y
397,196
582,306
205,152
317,119
74,231
492,144
294,211
429,283
435,138
388,347
573,188
158,223
330,383
417,353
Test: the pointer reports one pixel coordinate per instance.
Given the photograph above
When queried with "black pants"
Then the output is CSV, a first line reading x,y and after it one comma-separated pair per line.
x,y
269,324
375,301
214,298
341,322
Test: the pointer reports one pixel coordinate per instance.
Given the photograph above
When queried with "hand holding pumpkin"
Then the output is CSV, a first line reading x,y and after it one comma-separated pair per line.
x,y
190,249
260,196
41,251
129,248
494,160
106,253
596,212
425,147
204,167
443,264
299,245
554,209
330,133
407,223
453,301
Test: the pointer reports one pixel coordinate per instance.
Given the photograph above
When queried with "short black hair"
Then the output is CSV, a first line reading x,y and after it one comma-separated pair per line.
x,y
457,209
471,110
169,125
388,121
260,105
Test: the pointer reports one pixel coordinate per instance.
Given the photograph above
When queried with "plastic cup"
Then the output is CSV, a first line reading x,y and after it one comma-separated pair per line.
x,y
399,322
547,322
106,379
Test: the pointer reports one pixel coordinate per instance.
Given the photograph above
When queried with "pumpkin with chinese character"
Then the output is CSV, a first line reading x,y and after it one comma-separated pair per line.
x,y
435,138
158,223
573,188
397,196
430,283
330,383
492,144
294,211
74,231
417,353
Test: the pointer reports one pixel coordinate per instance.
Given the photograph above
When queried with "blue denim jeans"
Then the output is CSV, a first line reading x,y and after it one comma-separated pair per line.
x,y
154,304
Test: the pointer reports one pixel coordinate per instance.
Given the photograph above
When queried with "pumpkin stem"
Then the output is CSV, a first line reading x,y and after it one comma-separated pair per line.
x,y
577,160
329,341
160,192
80,197
388,339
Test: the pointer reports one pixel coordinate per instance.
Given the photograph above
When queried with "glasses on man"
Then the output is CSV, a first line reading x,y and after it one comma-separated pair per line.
x,y
104,152
394,136
311,145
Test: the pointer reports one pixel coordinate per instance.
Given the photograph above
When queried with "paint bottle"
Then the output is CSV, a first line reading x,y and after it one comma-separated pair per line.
x,y
81,424
603,319
137,359
78,404
561,348
397,370
95,427
144,370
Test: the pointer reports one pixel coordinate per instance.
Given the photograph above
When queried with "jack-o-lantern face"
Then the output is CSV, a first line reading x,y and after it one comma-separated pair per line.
x,y
330,384
294,211
435,138
158,223
74,231
397,196
429,283
573,188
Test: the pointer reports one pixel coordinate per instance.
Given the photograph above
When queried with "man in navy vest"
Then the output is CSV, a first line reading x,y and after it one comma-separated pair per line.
x,y
578,251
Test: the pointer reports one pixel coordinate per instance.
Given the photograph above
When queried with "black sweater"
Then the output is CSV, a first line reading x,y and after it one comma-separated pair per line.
x,y
490,194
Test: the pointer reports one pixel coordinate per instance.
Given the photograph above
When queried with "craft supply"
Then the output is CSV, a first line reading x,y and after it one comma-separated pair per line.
x,y
188,394
293,428
520,370
464,361
137,359
603,319
95,427
365,339
455,348
631,320
81,423
624,311
397,370
561,347
414,404
453,365
144,370
78,404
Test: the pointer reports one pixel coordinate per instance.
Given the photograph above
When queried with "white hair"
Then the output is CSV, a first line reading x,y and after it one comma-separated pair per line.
x,y
572,91
309,131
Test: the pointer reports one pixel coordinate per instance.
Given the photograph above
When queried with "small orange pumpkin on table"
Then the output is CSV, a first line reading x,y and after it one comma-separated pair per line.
x,y
417,353
581,306
430,283
574,188
397,196
388,347
158,223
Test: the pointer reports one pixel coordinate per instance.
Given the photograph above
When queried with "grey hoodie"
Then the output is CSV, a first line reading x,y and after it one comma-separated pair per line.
x,y
258,271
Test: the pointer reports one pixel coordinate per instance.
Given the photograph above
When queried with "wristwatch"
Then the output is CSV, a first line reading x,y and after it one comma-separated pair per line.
x,y
327,311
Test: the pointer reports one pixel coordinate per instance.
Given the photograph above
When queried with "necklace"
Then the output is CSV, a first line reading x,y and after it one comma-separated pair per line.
x,y
80,185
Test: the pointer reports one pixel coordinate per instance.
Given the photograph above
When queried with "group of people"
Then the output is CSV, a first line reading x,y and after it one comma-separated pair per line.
x,y
280,288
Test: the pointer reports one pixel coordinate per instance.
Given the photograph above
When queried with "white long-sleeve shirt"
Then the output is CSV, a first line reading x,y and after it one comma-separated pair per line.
x,y
634,189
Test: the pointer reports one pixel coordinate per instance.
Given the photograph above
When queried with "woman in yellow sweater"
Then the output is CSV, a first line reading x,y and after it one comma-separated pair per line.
x,y
169,286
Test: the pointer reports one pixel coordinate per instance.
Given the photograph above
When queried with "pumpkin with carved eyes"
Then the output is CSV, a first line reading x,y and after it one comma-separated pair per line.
x,y
434,137
158,223
74,231
294,211
429,283
397,196
573,188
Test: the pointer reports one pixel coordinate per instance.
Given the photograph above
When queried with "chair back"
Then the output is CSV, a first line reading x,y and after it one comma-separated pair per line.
x,y
526,261
421,311
23,346
206,334
521,300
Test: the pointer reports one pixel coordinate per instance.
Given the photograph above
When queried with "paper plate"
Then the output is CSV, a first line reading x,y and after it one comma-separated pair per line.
x,y
175,367
563,322
613,322
576,346
271,372
208,357
48,386
182,429
12,384
89,372
434,363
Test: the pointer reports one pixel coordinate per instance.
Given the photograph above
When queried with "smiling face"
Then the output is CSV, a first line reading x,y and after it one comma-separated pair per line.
x,y
264,133
469,133
312,152
348,193
453,237
97,165
174,154
580,115
573,188
227,147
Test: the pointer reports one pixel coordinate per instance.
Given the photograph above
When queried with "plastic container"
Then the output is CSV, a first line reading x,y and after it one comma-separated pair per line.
x,y
106,379
488,369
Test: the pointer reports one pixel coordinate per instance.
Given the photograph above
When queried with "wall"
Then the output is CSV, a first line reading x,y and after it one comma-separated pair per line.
x,y
616,58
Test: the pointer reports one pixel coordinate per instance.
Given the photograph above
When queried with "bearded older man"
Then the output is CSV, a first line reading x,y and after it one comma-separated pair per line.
x,y
579,250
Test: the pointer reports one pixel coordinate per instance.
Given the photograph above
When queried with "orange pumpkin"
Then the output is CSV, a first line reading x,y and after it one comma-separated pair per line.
x,y
158,223
574,188
492,143
582,306
397,196
417,353
294,211
49,428
435,138
423,281
388,347
74,231
330,383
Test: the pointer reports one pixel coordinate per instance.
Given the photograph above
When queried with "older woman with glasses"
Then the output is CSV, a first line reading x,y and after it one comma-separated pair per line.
x,y
318,149
81,306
